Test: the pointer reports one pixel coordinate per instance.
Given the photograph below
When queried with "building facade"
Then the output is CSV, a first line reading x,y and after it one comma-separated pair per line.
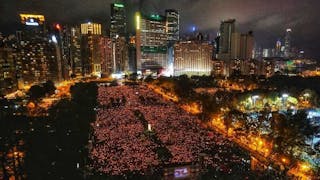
x,y
173,23
151,42
36,51
227,28
192,58
75,51
90,50
287,43
118,25
8,78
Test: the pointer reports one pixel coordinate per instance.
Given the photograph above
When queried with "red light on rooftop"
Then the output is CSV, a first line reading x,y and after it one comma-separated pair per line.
x,y
58,26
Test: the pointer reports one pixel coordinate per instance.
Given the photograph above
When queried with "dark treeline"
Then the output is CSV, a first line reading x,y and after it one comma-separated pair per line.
x,y
55,147
62,152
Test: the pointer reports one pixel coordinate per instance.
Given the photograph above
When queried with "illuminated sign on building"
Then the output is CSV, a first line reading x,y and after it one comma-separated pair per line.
x,y
138,21
91,28
32,19
119,5
181,173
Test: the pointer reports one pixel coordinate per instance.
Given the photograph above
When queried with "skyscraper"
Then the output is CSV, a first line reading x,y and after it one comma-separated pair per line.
x,y
8,81
235,46
75,51
91,60
118,25
173,21
151,42
287,44
226,29
36,51
278,48
62,36
106,45
246,46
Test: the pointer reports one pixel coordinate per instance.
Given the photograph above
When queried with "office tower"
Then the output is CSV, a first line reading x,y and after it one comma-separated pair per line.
x,y
118,25
8,80
62,39
132,54
90,55
173,21
227,28
287,44
278,48
242,46
235,46
91,60
36,51
75,51
151,43
192,58
114,55
106,52
246,46
119,55
217,45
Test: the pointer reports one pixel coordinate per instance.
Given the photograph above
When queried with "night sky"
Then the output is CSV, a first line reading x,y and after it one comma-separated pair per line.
x,y
268,19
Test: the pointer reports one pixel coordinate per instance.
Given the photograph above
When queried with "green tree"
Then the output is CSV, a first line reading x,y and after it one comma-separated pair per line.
x,y
36,92
49,87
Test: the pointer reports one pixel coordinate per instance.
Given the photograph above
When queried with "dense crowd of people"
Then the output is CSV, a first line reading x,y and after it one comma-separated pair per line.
x,y
120,143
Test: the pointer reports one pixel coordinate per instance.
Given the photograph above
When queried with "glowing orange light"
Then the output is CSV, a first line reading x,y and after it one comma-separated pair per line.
x,y
31,105
284,160
58,26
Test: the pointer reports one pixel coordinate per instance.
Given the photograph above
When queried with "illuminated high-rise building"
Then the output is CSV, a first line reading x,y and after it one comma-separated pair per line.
x,y
90,38
91,60
106,52
287,44
8,80
75,51
192,58
120,55
113,55
173,22
62,39
151,42
278,48
36,51
118,25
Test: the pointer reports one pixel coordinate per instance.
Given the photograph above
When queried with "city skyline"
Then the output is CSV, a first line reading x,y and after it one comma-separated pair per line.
x,y
159,89
268,20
